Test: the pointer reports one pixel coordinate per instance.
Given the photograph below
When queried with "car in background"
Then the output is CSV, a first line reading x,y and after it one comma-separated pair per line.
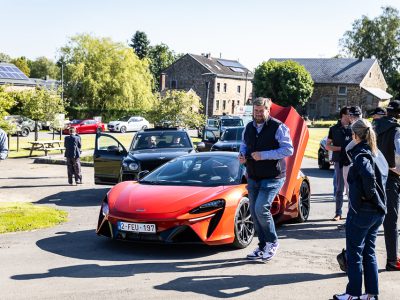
x,y
324,156
149,149
230,140
229,121
209,138
195,198
85,126
23,125
125,124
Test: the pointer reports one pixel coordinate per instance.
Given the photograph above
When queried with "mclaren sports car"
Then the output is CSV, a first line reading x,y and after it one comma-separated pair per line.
x,y
202,197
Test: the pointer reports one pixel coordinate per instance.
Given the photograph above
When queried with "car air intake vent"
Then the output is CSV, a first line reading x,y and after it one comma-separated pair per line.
x,y
151,165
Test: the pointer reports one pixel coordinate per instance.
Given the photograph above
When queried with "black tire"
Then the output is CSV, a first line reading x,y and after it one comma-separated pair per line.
x,y
123,129
322,164
244,225
304,202
25,131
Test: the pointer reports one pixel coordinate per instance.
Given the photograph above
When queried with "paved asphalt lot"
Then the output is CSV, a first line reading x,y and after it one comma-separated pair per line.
x,y
70,262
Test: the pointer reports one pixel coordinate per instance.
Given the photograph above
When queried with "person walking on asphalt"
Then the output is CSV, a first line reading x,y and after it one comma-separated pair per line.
x,y
3,145
73,146
266,143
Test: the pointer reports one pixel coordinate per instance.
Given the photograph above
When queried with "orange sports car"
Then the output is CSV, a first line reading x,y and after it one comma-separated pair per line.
x,y
202,197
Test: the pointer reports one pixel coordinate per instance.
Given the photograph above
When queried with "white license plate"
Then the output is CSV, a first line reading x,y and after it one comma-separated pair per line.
x,y
137,227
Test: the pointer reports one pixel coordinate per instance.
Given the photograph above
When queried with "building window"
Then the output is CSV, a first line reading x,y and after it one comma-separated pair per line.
x,y
216,104
238,89
233,106
225,86
218,87
340,103
370,74
342,90
224,105
238,102
174,84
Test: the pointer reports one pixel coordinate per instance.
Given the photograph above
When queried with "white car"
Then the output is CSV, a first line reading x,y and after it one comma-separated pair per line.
x,y
128,124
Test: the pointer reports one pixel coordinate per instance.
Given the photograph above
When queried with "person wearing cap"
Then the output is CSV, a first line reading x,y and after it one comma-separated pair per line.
x,y
73,145
388,137
354,114
338,137
376,114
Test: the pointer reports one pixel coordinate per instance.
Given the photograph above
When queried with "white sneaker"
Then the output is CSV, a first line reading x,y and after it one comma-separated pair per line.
x,y
256,254
270,251
368,297
344,297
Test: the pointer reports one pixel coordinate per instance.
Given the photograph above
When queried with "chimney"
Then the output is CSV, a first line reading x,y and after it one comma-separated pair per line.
x,y
208,55
162,82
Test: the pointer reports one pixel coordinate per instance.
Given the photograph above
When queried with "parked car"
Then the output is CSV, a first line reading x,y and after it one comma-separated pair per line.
x,y
229,121
149,149
200,197
24,125
85,126
230,140
128,124
324,156
209,138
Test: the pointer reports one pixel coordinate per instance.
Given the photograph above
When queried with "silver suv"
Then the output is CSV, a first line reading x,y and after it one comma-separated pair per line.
x,y
24,124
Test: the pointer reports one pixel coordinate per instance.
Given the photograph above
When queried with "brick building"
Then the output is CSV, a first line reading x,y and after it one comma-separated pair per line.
x,y
225,83
342,82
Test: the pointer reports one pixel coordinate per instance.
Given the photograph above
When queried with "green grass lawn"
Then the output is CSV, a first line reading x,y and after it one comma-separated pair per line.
x,y
26,216
316,135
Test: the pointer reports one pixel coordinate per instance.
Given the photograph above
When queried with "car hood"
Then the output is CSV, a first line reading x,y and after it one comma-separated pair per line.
x,y
116,122
227,145
157,154
141,199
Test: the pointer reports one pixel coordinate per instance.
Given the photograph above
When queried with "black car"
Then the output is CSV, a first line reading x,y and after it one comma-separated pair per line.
x,y
209,138
149,149
230,140
324,156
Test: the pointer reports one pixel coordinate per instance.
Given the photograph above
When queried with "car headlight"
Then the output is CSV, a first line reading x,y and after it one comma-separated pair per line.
x,y
105,209
133,166
209,206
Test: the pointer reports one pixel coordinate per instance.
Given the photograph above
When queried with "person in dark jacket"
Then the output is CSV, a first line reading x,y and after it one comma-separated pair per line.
x,y
388,135
73,146
367,209
266,143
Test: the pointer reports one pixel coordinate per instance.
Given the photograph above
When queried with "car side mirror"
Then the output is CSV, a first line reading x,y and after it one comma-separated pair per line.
x,y
143,173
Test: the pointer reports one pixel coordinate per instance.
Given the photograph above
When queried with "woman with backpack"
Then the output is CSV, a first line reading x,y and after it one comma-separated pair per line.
x,y
367,209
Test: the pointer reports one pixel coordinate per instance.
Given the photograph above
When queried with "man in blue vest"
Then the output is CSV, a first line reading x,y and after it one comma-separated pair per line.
x,y
266,143
72,144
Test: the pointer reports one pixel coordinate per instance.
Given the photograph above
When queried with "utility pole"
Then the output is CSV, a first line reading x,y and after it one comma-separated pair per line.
x,y
208,91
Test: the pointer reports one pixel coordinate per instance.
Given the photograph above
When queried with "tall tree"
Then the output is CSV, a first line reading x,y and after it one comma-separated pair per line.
x,y
179,108
378,37
43,67
160,58
4,57
140,44
286,83
100,75
22,64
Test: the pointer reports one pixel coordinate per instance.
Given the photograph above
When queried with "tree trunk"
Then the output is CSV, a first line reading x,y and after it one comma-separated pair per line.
x,y
36,130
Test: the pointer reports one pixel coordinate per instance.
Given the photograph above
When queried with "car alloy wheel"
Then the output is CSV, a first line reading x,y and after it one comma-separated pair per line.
x,y
304,202
123,129
25,131
322,164
244,225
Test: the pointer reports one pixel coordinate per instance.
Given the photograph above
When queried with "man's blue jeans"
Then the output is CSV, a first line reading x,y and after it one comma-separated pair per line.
x,y
261,195
361,230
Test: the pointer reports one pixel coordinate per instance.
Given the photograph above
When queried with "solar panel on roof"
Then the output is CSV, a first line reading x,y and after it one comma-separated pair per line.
x,y
239,70
11,72
230,63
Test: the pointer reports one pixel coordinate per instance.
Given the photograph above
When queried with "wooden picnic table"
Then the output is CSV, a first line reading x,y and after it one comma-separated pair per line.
x,y
46,146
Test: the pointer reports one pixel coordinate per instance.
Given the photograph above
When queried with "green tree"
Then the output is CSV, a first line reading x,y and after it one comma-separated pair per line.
x,y
22,64
4,57
160,58
43,67
178,107
39,104
100,75
378,37
6,102
287,83
140,44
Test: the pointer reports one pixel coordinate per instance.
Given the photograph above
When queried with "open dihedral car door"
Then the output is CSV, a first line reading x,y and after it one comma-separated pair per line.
x,y
299,135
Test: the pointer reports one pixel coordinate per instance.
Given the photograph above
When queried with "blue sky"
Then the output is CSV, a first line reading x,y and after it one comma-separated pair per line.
x,y
251,31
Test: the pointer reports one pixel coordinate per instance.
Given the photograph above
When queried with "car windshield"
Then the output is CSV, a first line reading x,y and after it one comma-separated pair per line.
x,y
192,170
232,134
231,122
124,119
160,139
76,121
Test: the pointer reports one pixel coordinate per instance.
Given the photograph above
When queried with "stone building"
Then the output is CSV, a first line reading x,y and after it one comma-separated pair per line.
x,y
226,84
342,82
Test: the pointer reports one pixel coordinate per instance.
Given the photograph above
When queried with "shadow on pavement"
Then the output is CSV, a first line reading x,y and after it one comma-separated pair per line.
x,y
88,246
315,172
76,198
311,231
234,286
